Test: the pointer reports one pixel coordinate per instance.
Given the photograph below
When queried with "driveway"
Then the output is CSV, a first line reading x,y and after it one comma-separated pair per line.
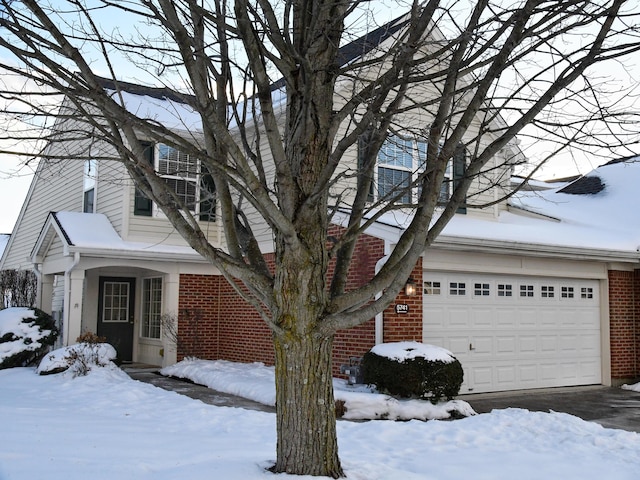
x,y
608,406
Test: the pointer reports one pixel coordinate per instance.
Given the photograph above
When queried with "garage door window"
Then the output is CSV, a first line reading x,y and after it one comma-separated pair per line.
x,y
432,288
547,291
481,290
526,290
457,288
567,292
586,292
505,290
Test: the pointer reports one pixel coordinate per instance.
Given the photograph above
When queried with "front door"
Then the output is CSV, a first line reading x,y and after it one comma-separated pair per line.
x,y
115,314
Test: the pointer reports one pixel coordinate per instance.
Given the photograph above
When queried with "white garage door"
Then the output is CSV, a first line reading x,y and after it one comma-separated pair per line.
x,y
515,332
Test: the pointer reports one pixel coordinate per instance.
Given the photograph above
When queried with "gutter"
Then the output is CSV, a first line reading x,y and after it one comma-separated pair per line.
x,y
445,242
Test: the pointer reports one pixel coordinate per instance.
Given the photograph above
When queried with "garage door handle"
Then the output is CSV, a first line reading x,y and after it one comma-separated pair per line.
x,y
471,347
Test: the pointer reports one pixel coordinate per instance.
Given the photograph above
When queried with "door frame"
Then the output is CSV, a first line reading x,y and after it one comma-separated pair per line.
x,y
120,334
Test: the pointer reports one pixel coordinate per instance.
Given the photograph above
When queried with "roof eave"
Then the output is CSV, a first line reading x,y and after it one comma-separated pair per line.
x,y
446,242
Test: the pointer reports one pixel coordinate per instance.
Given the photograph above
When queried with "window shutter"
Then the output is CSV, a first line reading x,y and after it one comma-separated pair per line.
x,y
459,171
207,197
142,205
363,147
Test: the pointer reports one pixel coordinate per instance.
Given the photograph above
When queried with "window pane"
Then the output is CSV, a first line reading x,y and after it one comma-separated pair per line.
x,y
151,307
397,152
390,180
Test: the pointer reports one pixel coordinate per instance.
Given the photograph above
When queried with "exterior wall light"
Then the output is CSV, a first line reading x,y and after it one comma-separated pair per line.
x,y
411,288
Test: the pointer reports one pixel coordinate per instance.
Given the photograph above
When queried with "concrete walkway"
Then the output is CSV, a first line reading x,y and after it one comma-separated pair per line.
x,y
148,374
610,407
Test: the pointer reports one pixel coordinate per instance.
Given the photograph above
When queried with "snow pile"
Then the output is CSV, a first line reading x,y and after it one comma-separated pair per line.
x,y
20,333
78,358
634,388
105,426
256,381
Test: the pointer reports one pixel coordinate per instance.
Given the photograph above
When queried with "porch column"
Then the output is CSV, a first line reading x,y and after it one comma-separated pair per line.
x,y
171,306
45,294
73,310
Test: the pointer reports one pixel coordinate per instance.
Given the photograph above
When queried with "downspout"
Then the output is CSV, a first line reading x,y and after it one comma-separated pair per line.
x,y
67,297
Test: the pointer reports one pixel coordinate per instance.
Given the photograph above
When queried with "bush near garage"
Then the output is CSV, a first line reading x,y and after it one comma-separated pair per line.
x,y
411,373
26,335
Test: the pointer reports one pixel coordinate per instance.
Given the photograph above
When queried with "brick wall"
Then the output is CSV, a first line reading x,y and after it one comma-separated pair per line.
x,y
624,290
400,327
215,323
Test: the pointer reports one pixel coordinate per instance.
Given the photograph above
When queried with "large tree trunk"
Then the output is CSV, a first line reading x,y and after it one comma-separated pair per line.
x,y
307,443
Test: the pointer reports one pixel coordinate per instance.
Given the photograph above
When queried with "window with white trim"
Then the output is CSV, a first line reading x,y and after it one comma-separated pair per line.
x,y
400,161
505,290
89,186
186,177
151,307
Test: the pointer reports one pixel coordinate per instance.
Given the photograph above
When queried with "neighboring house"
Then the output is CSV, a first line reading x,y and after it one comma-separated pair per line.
x,y
524,296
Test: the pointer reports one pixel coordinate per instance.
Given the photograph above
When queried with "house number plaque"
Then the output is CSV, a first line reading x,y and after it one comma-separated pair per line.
x,y
402,308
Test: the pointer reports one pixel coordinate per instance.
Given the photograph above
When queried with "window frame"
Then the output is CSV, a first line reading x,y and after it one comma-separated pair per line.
x,y
89,185
150,306
454,173
204,202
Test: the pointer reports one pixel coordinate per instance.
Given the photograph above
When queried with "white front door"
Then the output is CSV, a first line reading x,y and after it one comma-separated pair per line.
x,y
515,332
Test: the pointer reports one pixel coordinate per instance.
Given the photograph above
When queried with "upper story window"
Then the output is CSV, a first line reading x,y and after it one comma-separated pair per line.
x,y
186,177
399,164
89,186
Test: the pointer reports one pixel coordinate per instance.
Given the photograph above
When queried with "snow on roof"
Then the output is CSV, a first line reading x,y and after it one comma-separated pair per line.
x,y
598,210
93,231
606,224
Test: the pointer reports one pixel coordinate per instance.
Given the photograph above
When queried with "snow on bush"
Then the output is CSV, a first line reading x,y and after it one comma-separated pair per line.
x,y
401,351
79,359
413,370
25,336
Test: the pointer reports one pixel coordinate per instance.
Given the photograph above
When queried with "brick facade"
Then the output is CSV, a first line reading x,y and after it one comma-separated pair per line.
x,y
215,323
624,321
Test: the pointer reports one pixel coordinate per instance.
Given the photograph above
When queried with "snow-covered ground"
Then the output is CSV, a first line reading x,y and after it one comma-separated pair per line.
x,y
107,426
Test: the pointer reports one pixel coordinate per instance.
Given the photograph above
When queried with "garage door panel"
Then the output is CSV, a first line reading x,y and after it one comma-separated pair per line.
x,y
508,341
482,317
526,317
458,317
435,316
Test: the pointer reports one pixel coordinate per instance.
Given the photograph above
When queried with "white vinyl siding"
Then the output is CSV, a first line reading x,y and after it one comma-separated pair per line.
x,y
55,187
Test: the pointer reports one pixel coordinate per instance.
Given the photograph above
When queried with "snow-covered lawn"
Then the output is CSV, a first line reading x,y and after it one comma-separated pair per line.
x,y
107,426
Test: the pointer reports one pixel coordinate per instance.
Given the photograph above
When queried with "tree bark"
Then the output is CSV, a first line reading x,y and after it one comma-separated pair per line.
x,y
307,443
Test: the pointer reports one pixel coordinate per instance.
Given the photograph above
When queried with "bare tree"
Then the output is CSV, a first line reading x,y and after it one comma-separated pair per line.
x,y
285,93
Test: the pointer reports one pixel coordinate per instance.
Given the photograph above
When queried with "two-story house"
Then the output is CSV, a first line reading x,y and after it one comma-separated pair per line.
x,y
521,304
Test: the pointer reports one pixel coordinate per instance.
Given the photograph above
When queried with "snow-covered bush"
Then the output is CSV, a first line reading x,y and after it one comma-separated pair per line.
x,y
80,358
25,336
413,369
